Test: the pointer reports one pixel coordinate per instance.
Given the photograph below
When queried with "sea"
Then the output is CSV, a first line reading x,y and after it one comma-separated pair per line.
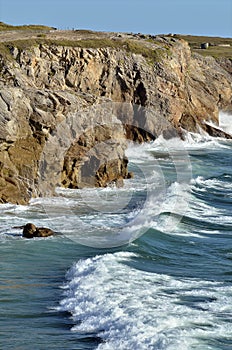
x,y
144,267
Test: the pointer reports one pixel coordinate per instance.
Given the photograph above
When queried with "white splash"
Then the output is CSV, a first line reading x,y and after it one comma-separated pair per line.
x,y
134,309
225,122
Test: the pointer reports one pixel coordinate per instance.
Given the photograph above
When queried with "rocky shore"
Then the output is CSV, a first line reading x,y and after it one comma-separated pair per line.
x,y
70,100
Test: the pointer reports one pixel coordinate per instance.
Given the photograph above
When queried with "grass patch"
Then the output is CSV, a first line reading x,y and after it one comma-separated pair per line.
x,y
195,41
22,44
152,55
4,50
130,46
214,49
85,32
41,36
34,27
85,43
216,52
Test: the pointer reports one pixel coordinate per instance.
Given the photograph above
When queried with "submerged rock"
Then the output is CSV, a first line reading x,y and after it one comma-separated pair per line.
x,y
31,231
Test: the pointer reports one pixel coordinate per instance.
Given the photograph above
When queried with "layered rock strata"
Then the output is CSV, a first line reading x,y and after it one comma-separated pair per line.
x,y
66,112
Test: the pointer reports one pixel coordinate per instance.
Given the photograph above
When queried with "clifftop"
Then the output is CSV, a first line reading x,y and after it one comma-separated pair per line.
x,y
69,100
31,35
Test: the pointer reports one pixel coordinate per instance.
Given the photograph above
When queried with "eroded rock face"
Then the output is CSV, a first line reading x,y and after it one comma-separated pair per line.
x,y
65,113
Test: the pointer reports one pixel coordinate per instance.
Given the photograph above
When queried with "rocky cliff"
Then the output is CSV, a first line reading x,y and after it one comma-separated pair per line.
x,y
67,108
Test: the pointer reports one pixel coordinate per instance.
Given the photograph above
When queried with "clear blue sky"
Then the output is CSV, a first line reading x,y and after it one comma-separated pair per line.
x,y
199,17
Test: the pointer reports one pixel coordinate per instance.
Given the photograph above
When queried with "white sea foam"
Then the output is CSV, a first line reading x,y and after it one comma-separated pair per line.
x,y
105,217
212,183
200,209
133,309
225,122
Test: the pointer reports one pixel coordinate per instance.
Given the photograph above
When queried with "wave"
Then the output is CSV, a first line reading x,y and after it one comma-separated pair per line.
x,y
151,201
163,183
132,309
225,122
224,182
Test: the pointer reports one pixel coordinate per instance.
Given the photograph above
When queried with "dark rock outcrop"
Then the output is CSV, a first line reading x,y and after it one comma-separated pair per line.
x,y
31,231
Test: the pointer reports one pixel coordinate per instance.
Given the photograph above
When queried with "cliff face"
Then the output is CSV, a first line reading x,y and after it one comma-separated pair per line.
x,y
65,112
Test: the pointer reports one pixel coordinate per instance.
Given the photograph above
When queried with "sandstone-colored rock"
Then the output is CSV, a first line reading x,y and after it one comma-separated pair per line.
x,y
65,112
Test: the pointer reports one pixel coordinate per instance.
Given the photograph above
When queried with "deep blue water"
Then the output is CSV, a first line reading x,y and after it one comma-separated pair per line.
x,y
169,286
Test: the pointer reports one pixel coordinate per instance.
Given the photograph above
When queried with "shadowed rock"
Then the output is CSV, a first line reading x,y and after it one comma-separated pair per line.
x,y
31,231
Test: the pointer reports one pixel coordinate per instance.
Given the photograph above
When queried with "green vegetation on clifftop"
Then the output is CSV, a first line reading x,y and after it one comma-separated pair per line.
x,y
130,46
218,47
5,27
152,48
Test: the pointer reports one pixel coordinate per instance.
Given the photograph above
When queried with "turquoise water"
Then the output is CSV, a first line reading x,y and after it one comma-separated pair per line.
x,y
168,287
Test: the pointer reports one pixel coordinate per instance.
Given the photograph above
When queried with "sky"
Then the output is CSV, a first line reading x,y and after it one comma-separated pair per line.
x,y
197,17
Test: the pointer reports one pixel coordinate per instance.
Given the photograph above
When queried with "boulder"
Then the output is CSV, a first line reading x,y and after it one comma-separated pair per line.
x,y
31,231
